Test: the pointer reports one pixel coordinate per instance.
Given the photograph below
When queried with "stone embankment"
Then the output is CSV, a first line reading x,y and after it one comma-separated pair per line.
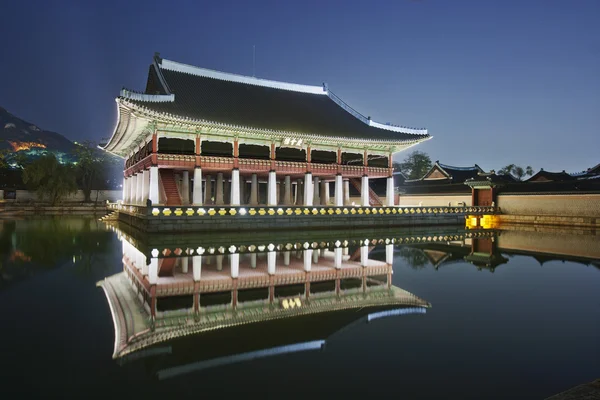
x,y
15,210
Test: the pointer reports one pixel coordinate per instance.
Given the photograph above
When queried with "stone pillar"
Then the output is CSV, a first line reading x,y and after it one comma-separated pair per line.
x,y
390,191
315,256
242,190
271,258
219,190
316,190
133,189
308,193
389,254
346,192
185,188
125,191
337,257
252,260
197,267
287,196
140,188
154,185
339,200
219,258
254,190
286,258
208,190
272,189
185,264
234,261
145,186
197,189
308,260
324,193
235,187
299,193
364,192
364,255
153,271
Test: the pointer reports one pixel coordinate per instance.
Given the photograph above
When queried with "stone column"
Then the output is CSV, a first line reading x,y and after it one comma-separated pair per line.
x,y
145,186
272,189
299,192
133,189
197,189
339,200
364,192
219,190
252,260
139,192
315,256
346,192
364,255
185,264
154,185
324,193
125,191
308,193
271,258
219,258
242,190
389,254
308,260
197,267
390,191
208,190
185,188
254,190
234,261
235,187
153,271
287,195
337,257
316,191
286,258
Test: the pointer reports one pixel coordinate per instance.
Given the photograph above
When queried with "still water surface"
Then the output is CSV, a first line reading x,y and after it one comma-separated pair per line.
x,y
504,322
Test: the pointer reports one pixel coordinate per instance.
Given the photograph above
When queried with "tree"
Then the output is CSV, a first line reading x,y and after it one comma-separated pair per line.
x,y
50,179
89,168
415,165
517,171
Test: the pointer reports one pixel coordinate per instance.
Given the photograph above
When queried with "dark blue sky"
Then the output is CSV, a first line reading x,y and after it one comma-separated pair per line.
x,y
495,82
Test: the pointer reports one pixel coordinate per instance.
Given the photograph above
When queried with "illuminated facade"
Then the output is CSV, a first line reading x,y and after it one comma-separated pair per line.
x,y
202,137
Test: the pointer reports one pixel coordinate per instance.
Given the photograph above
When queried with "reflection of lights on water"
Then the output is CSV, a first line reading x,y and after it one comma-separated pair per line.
x,y
73,259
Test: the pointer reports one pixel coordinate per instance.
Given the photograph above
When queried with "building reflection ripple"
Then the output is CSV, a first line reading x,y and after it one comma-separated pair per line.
x,y
280,295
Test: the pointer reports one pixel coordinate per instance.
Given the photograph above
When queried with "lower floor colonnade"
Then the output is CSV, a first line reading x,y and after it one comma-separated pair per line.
x,y
184,187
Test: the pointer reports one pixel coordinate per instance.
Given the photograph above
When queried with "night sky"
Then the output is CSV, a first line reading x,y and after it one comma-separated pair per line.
x,y
495,82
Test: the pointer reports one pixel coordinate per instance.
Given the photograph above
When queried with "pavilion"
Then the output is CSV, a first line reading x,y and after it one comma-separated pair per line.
x,y
200,137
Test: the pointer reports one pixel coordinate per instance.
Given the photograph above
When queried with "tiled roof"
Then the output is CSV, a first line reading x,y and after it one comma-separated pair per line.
x,y
214,96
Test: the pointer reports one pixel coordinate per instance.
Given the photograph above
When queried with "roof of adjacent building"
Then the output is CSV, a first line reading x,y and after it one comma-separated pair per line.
x,y
195,93
545,176
444,174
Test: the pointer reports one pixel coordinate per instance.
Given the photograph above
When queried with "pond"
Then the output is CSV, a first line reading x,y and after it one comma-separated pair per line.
x,y
92,309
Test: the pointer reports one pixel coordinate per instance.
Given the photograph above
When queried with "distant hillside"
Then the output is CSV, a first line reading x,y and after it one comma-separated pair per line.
x,y
22,136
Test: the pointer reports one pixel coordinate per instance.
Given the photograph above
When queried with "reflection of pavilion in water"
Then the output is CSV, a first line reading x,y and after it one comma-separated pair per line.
x,y
315,287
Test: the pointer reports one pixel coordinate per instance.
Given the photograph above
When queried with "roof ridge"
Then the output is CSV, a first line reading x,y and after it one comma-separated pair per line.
x,y
474,167
231,77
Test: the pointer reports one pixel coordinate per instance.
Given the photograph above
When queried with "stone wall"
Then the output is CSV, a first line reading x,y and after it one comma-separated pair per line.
x,y
103,195
245,223
563,205
435,200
